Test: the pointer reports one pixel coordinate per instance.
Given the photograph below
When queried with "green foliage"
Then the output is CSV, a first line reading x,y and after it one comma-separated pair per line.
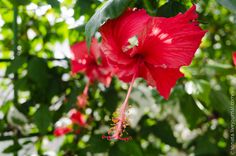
x,y
191,111
20,2
54,3
42,119
13,148
170,9
37,72
230,4
15,65
130,148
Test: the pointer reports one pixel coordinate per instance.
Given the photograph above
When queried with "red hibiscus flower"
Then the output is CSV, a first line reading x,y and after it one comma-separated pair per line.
x,y
77,118
234,57
60,131
153,48
93,63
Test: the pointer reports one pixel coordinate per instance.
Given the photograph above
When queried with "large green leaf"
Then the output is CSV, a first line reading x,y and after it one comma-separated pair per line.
x,y
42,118
110,10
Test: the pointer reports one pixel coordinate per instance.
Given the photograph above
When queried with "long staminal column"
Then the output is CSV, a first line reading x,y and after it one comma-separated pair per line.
x,y
121,120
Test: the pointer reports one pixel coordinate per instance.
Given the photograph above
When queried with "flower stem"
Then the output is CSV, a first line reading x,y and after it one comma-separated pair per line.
x,y
85,92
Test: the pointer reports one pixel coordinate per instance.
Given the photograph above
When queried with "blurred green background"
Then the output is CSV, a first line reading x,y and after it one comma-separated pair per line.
x,y
37,89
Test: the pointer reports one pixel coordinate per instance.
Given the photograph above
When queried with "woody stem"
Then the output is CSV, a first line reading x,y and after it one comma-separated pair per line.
x,y
123,107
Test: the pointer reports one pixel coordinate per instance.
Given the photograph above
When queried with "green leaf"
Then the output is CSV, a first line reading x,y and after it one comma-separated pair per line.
x,y
42,118
216,68
20,2
130,148
192,113
229,4
97,145
170,9
22,84
164,131
18,121
152,151
84,7
206,144
150,6
15,65
220,101
54,3
200,89
108,96
37,71
7,16
13,148
110,10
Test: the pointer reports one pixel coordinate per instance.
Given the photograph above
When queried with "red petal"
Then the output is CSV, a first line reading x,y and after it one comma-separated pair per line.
x,y
77,117
115,35
165,79
145,73
88,62
82,60
103,71
234,58
171,42
61,131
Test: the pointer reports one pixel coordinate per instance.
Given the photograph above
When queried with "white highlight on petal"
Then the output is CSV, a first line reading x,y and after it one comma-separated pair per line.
x,y
82,61
168,41
164,66
155,31
163,36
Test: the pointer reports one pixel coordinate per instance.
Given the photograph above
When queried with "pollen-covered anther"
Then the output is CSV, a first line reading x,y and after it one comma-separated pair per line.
x,y
119,124
132,42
